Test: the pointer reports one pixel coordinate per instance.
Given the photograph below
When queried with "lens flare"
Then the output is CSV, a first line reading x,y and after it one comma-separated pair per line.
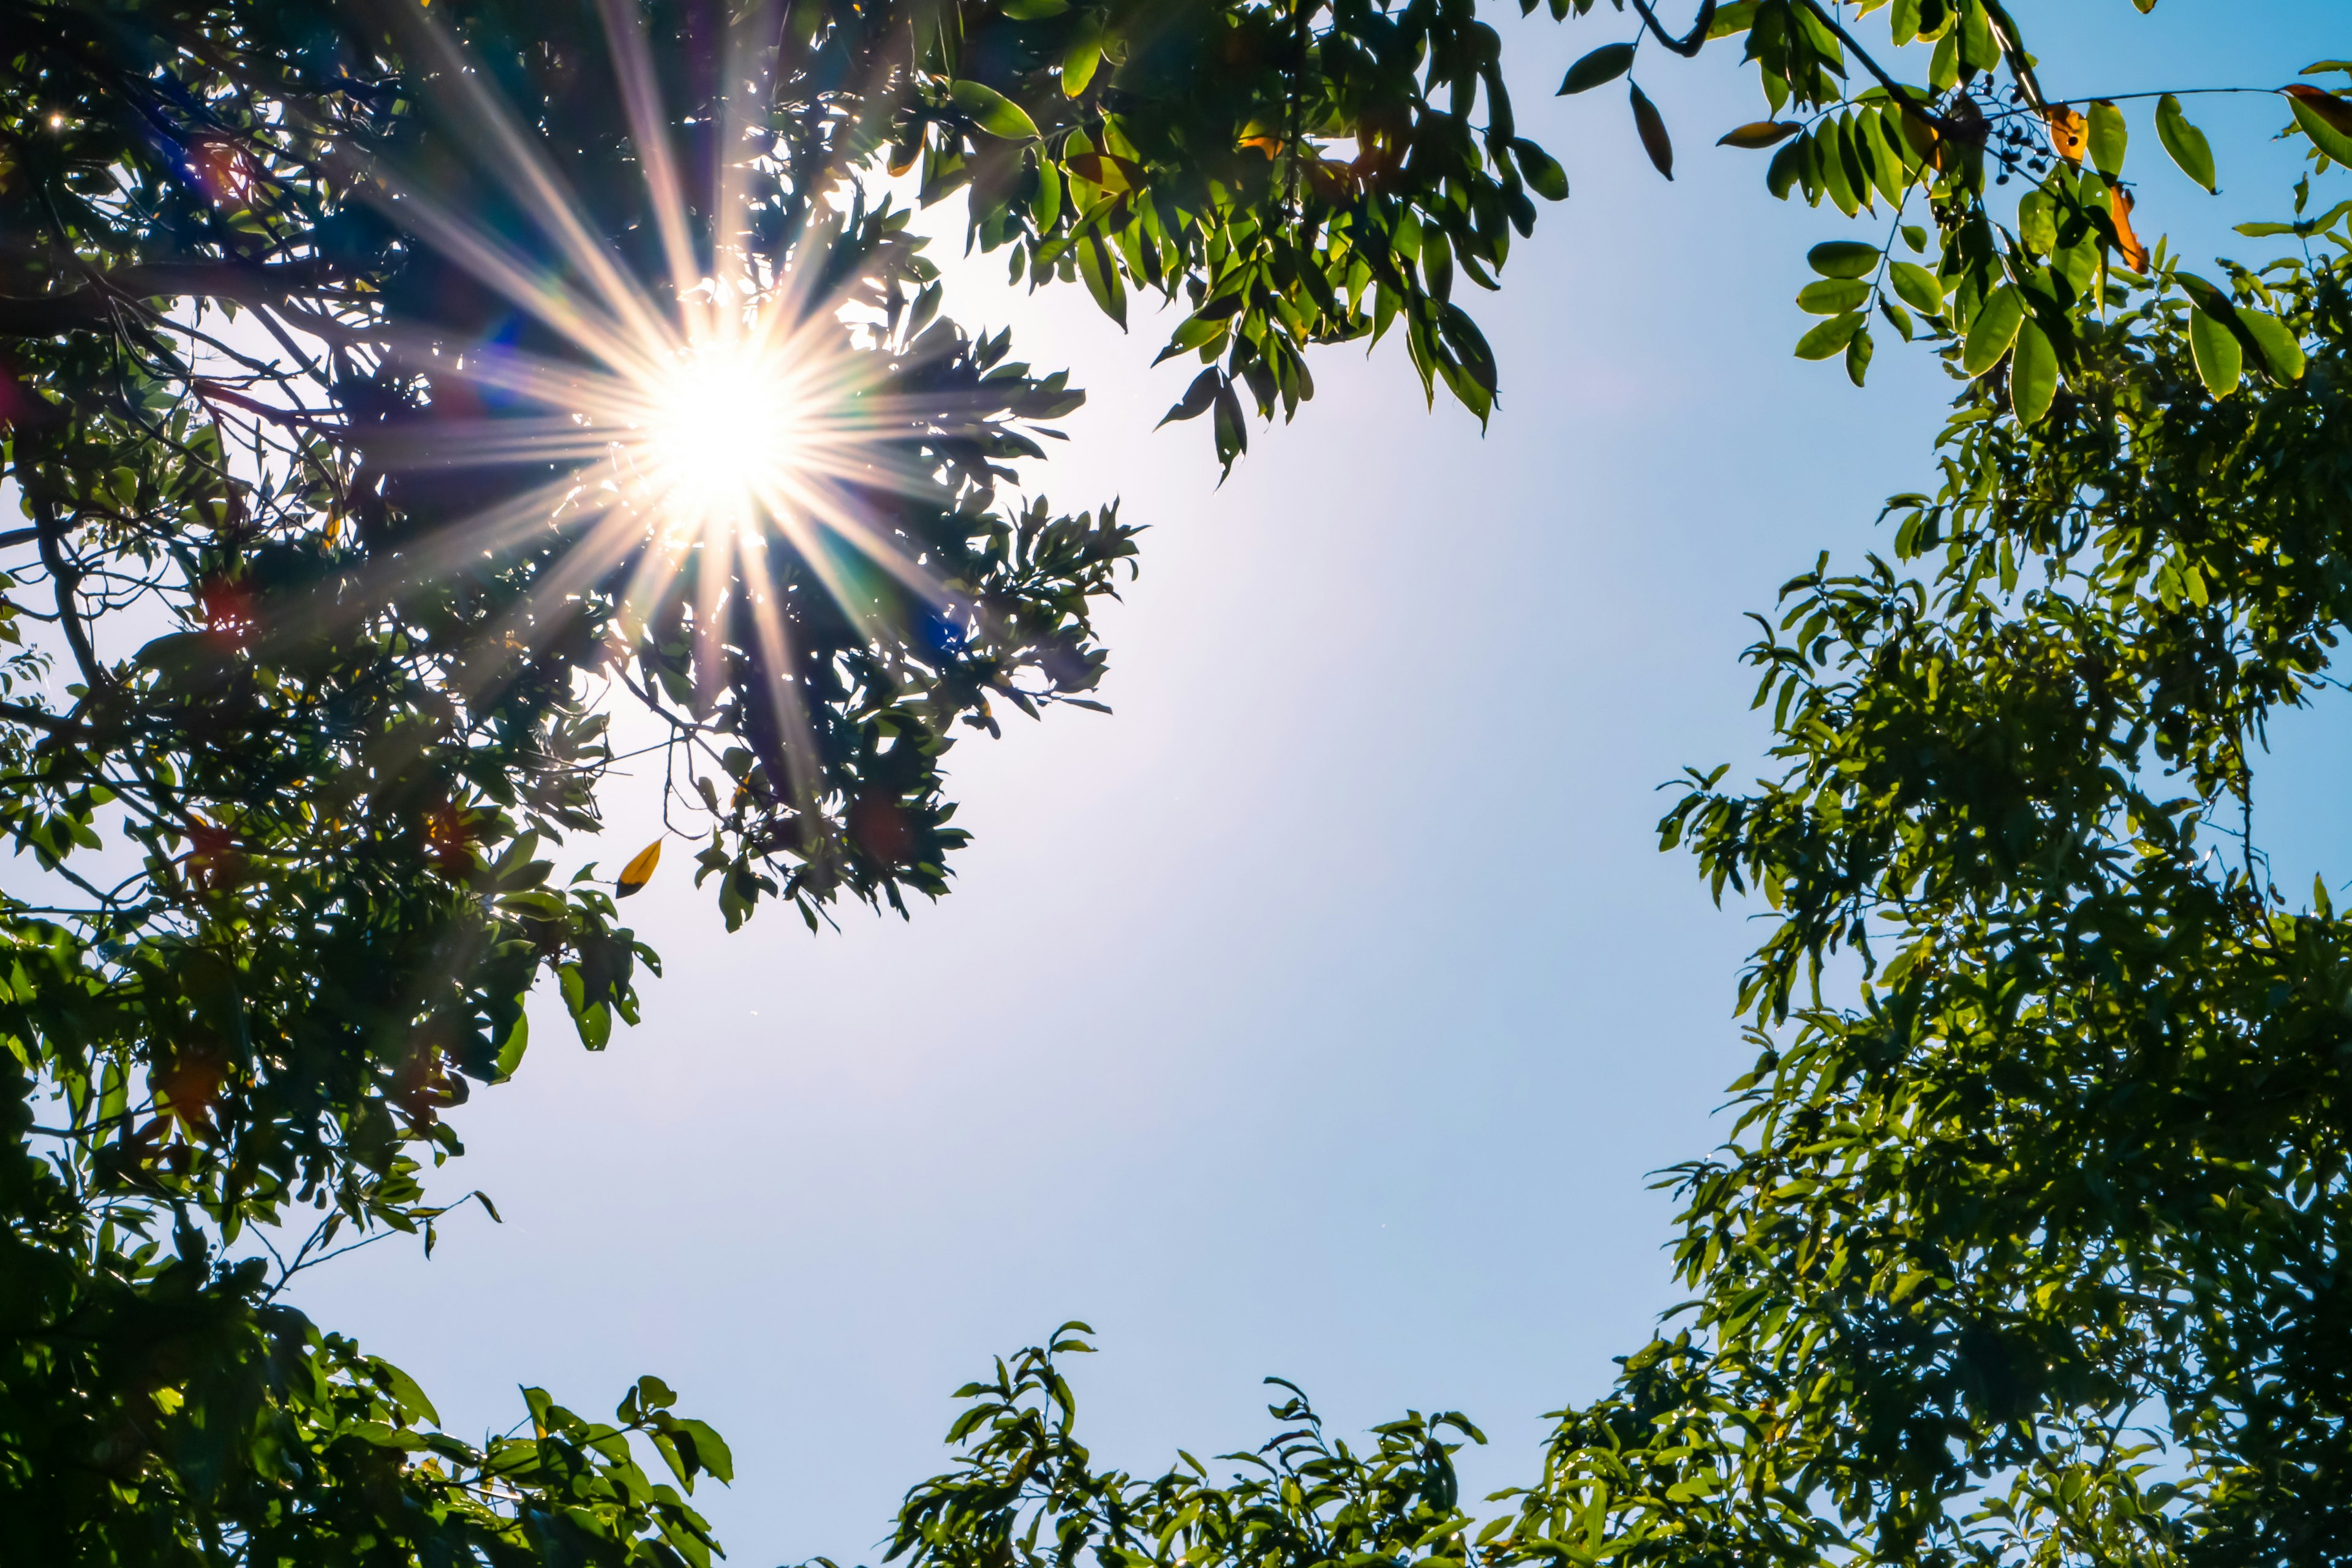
x,y
720,435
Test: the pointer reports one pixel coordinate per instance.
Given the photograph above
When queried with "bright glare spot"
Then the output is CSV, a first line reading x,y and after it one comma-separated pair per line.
x,y
722,436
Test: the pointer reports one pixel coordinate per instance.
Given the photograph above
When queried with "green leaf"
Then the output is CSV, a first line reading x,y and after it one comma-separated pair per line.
x,y
1917,287
1035,10
1993,331
1114,173
1843,259
1832,296
406,1396
1735,17
1605,64
2110,137
1197,397
2184,142
1831,337
1541,170
2032,373
2276,341
1857,356
992,111
1080,58
1102,279
2219,360
2325,127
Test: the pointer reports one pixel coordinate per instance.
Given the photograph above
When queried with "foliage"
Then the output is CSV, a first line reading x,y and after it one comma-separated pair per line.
x,y
302,709
2032,1254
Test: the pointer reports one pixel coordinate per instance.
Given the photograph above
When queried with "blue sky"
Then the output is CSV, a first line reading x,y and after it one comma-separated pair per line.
x,y
1321,1012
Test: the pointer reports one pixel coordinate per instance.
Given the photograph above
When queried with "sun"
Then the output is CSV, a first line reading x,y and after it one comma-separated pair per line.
x,y
721,434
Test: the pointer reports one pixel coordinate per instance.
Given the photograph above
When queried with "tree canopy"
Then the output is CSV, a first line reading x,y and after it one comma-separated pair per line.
x,y
346,348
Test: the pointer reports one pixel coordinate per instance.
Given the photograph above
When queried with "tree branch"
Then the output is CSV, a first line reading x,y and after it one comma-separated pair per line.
x,y
1690,43
64,576
89,307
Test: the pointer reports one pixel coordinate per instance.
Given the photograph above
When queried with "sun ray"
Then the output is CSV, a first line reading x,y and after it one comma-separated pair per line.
x,y
641,96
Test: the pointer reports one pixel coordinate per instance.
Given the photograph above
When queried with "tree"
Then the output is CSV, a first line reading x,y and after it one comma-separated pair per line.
x,y
2032,1254
361,367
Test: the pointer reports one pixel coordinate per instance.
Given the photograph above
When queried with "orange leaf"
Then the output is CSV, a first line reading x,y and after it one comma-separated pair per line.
x,y
1269,145
638,872
2070,134
2135,254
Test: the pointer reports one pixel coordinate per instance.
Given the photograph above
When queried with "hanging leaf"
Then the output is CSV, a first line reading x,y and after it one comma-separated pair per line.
x,y
2219,361
1842,258
1231,430
2070,134
1758,133
992,111
639,871
1993,331
1197,397
2325,118
1080,58
1857,356
1653,130
2184,142
2108,138
2032,373
2134,254
1102,279
1605,64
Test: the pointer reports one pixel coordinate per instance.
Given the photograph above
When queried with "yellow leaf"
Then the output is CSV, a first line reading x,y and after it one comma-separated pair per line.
x,y
639,871
2070,134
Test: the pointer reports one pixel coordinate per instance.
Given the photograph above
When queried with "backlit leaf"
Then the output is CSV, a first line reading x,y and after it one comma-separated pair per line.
x,y
2032,373
1831,337
1995,328
639,871
1832,296
2325,118
2070,134
2134,254
2108,138
1843,259
2184,142
1917,287
992,111
2280,352
2220,362
1758,133
1858,351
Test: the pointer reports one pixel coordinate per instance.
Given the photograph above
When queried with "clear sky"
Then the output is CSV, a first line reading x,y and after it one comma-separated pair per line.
x,y
1320,1012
